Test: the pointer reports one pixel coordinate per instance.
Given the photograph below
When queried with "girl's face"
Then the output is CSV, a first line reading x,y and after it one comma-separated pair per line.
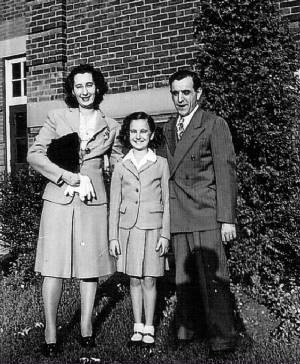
x,y
84,90
140,134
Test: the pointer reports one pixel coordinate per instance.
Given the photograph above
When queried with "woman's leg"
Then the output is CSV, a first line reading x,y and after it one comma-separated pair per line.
x,y
149,295
88,288
51,291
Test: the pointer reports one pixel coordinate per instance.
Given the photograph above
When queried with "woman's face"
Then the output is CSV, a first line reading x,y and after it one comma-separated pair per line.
x,y
84,90
140,134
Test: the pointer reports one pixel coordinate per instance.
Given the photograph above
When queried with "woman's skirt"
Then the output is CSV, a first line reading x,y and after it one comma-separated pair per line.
x,y
73,241
138,255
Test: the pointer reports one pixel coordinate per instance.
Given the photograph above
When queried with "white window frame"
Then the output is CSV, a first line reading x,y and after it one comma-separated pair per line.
x,y
12,101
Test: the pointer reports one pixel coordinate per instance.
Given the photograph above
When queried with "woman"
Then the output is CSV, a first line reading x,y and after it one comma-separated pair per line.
x,y
73,238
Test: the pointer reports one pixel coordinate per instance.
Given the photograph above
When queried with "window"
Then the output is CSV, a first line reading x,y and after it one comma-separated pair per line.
x,y
16,81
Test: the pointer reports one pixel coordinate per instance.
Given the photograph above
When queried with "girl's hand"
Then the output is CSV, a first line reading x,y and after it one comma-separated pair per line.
x,y
162,246
114,248
71,179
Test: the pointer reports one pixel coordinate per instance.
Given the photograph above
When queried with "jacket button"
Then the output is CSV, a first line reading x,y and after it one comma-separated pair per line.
x,y
136,190
87,150
136,202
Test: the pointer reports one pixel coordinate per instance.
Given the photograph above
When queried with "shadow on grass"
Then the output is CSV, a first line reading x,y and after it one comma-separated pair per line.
x,y
108,294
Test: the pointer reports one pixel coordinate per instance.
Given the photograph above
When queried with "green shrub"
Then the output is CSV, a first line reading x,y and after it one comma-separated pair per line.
x,y
20,210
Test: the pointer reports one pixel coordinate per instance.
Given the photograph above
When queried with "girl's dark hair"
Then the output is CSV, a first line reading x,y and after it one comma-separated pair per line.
x,y
124,134
98,78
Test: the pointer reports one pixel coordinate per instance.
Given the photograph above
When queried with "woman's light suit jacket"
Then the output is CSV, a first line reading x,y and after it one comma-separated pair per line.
x,y
60,122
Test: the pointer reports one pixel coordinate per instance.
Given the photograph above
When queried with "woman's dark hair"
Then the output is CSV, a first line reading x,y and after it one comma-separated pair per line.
x,y
98,78
124,134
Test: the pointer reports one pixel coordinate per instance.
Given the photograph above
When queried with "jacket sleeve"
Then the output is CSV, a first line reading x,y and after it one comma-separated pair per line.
x,y
37,153
165,199
224,162
115,152
115,202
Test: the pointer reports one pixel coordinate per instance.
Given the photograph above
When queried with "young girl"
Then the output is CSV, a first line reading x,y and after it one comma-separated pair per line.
x,y
139,222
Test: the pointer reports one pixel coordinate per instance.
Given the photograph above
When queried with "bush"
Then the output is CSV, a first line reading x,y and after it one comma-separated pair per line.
x,y
20,210
247,59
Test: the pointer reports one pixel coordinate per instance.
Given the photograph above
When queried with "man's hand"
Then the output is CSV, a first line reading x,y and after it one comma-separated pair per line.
x,y
162,246
114,248
228,232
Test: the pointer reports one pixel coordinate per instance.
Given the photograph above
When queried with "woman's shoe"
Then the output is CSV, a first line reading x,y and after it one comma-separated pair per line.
x,y
87,342
50,350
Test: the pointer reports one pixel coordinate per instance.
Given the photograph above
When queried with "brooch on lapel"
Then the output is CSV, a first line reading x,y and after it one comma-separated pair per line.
x,y
106,133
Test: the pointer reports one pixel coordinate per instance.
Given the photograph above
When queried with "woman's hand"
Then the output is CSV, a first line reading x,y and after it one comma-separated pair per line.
x,y
114,248
85,189
162,246
72,179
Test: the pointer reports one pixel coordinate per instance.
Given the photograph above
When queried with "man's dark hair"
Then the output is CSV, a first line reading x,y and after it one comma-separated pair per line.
x,y
98,78
124,135
181,74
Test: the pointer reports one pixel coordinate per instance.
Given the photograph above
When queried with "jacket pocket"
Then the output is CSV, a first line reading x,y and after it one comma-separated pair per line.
x,y
123,207
156,208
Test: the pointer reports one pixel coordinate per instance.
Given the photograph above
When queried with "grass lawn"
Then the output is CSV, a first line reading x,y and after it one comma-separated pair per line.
x,y
21,329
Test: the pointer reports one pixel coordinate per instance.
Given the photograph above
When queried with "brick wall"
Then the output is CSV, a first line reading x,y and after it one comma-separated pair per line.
x,y
137,43
290,10
46,49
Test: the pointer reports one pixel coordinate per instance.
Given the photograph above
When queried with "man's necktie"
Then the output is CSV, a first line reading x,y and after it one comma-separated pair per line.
x,y
180,128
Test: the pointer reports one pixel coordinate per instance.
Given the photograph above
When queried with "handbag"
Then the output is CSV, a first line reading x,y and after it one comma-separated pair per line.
x,y
64,152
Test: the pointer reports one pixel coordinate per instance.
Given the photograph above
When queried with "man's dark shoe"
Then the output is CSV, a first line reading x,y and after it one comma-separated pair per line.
x,y
213,354
87,342
50,350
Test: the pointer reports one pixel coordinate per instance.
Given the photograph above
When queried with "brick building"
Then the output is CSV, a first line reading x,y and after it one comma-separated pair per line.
x,y
136,43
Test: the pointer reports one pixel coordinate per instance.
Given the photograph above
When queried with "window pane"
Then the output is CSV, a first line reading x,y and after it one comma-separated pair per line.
x,y
25,87
16,71
16,90
24,69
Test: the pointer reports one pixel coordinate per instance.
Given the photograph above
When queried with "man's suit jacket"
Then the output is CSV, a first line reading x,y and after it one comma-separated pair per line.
x,y
140,198
61,122
202,174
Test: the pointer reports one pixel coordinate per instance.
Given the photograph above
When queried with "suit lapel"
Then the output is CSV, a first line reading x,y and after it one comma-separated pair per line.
x,y
72,117
170,134
130,167
191,134
73,120
146,166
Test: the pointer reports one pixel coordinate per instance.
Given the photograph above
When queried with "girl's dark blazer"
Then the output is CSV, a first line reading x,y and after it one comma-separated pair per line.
x,y
203,189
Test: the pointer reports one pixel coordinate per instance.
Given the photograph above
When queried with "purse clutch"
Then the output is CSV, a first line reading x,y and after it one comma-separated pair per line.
x,y
64,152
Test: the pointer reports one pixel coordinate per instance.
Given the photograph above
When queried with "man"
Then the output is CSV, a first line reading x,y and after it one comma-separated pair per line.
x,y
201,157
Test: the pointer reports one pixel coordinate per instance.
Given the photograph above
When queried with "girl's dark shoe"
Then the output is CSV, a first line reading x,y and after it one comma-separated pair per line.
x,y
50,350
87,342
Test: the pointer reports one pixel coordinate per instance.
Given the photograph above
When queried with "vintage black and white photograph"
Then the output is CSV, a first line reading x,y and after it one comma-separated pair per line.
x,y
149,182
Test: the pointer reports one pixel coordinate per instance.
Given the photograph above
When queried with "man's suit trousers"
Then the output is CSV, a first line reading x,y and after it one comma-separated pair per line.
x,y
204,301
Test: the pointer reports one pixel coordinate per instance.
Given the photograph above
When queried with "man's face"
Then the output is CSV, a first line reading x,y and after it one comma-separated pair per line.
x,y
184,96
